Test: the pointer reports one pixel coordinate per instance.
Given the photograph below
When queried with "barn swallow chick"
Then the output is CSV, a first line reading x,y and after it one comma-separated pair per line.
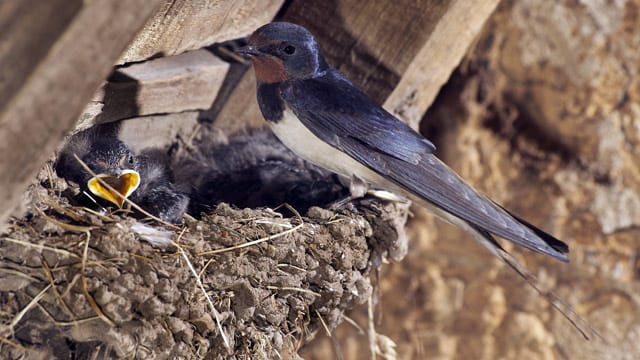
x,y
322,117
109,158
251,170
143,179
157,192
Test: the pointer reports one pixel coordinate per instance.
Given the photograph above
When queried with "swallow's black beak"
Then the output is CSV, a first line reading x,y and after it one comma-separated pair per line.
x,y
248,51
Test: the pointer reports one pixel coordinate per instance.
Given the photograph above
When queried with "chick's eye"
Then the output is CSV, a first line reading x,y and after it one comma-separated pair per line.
x,y
130,160
289,50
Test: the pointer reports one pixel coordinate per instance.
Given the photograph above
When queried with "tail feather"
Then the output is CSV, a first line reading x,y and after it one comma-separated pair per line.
x,y
567,311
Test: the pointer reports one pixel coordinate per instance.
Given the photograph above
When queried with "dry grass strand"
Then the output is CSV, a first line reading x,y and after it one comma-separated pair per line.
x,y
215,312
41,247
261,240
85,291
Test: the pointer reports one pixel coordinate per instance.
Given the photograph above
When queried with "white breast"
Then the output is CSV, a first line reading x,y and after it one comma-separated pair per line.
x,y
305,144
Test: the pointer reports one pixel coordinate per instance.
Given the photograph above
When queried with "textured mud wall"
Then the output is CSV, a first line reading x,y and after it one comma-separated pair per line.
x,y
544,116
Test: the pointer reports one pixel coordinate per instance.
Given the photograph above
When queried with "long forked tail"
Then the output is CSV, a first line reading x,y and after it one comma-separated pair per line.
x,y
556,244
581,324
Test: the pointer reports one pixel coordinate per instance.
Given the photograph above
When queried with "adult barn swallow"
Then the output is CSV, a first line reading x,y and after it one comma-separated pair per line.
x,y
321,116
251,170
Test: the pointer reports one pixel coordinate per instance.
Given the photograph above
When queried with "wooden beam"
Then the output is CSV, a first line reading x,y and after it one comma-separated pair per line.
x,y
183,25
160,131
189,81
241,109
60,60
25,48
406,54
437,58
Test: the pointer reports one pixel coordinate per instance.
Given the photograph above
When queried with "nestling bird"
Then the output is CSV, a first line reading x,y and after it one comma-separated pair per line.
x,y
322,117
144,179
250,170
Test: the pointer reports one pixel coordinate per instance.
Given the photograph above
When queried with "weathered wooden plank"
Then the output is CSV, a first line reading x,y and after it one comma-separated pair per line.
x,y
48,94
189,81
23,47
241,110
412,46
183,25
159,131
437,58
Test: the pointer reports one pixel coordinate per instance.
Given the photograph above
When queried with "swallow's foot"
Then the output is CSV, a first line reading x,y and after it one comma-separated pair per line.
x,y
352,203
387,196
361,191
344,204
358,188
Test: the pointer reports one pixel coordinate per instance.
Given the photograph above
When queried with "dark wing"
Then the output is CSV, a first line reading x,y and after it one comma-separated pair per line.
x,y
435,182
385,144
368,122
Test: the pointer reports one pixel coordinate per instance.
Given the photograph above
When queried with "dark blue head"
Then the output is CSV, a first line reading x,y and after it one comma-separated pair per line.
x,y
283,51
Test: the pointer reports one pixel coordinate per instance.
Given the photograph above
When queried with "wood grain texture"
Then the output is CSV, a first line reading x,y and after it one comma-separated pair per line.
x,y
48,93
437,58
160,131
183,25
189,81
22,47
241,109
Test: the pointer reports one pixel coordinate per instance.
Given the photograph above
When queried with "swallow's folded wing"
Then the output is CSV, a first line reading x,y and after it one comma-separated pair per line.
x,y
436,183
336,111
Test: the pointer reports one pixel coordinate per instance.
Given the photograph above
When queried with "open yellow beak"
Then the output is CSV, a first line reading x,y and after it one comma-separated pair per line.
x,y
125,184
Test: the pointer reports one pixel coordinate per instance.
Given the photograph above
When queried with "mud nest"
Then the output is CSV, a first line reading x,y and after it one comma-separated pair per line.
x,y
78,284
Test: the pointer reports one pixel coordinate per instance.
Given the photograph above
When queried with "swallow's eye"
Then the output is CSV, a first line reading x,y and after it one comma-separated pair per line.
x,y
126,160
289,50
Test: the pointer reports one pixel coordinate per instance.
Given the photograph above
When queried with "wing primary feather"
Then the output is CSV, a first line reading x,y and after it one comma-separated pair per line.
x,y
434,182
555,243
